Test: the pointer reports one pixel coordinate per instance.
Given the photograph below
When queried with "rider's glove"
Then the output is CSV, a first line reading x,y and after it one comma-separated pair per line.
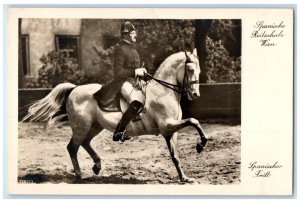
x,y
139,72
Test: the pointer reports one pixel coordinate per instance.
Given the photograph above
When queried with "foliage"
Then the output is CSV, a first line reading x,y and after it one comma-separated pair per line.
x,y
220,66
105,62
157,39
31,82
58,67
161,38
229,31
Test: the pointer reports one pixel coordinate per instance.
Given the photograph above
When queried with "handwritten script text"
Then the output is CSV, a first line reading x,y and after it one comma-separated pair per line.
x,y
267,33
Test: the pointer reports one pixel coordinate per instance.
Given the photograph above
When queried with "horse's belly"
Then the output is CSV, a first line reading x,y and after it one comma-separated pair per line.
x,y
142,126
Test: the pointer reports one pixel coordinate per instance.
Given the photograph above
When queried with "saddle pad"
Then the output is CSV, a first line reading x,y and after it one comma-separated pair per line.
x,y
108,97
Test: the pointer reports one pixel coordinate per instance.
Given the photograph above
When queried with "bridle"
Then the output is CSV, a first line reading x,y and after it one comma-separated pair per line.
x,y
186,83
186,86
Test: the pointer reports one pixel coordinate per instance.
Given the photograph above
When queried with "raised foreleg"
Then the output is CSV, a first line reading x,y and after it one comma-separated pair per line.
x,y
173,126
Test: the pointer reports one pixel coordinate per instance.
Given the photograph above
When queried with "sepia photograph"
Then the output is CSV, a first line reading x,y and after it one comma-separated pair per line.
x,y
124,100
142,101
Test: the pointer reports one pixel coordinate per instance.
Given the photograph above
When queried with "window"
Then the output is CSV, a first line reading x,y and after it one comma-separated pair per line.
x,y
25,54
69,43
109,41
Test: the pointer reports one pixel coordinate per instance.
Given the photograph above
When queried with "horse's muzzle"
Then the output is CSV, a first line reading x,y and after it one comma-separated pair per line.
x,y
196,95
193,95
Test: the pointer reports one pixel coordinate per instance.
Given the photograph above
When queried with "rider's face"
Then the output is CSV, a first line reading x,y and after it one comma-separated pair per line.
x,y
132,36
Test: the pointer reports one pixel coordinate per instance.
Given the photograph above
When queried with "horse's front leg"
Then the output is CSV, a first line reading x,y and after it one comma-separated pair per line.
x,y
172,143
195,123
173,126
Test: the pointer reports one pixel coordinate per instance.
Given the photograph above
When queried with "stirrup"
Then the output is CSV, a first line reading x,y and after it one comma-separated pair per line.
x,y
117,136
121,136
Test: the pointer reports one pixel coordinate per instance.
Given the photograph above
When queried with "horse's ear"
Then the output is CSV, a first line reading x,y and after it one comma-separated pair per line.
x,y
186,55
195,51
188,58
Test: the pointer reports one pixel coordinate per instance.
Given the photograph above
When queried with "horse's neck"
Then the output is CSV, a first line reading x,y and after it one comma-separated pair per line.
x,y
167,72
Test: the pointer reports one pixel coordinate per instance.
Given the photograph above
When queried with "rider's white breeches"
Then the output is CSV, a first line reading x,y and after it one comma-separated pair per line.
x,y
130,93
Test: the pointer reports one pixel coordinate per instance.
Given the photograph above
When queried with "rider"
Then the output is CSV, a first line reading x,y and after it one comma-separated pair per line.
x,y
126,69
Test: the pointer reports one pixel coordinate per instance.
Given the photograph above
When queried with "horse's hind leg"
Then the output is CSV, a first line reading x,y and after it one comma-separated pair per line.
x,y
73,147
87,146
80,133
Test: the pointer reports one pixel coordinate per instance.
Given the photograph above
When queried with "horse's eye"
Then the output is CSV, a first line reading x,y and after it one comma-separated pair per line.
x,y
190,68
188,60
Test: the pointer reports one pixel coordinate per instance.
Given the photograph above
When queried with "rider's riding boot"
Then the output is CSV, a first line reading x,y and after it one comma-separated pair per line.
x,y
130,113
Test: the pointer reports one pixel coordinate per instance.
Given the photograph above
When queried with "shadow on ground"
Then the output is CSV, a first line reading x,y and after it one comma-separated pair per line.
x,y
71,179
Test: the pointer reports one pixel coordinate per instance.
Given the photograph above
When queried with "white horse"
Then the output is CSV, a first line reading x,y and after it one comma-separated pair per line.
x,y
177,75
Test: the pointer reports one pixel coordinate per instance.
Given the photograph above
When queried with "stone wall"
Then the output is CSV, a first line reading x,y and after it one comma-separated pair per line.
x,y
216,101
93,32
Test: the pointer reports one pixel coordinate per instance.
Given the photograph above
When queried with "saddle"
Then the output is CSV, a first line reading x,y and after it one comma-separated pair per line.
x,y
110,99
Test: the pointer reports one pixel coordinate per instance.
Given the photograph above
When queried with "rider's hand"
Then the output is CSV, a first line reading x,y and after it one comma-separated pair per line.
x,y
139,72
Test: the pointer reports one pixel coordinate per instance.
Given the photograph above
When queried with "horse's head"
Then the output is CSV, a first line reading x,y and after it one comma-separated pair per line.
x,y
189,76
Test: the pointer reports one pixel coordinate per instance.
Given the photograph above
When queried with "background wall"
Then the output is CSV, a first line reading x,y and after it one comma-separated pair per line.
x,y
93,32
216,101
221,100
41,36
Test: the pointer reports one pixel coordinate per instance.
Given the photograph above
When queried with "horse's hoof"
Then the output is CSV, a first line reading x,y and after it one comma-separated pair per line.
x,y
199,148
119,136
116,137
189,180
78,176
96,169
126,138
203,142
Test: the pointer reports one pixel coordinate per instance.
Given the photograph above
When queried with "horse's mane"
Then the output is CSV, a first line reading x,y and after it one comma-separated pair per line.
x,y
168,68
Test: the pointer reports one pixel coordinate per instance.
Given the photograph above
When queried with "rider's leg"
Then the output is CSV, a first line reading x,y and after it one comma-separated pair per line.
x,y
130,113
135,99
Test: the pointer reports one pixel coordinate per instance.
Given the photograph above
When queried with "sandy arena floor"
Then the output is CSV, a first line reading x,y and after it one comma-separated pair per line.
x,y
43,157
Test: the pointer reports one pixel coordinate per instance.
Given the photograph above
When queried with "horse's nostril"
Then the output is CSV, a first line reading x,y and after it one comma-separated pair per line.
x,y
195,94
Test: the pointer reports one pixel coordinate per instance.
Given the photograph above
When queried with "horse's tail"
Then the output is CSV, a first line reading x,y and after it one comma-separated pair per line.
x,y
52,108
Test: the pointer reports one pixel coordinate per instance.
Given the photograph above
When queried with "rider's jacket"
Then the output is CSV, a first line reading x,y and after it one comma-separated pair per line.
x,y
126,60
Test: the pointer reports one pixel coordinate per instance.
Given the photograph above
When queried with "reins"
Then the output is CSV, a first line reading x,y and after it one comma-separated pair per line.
x,y
176,88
